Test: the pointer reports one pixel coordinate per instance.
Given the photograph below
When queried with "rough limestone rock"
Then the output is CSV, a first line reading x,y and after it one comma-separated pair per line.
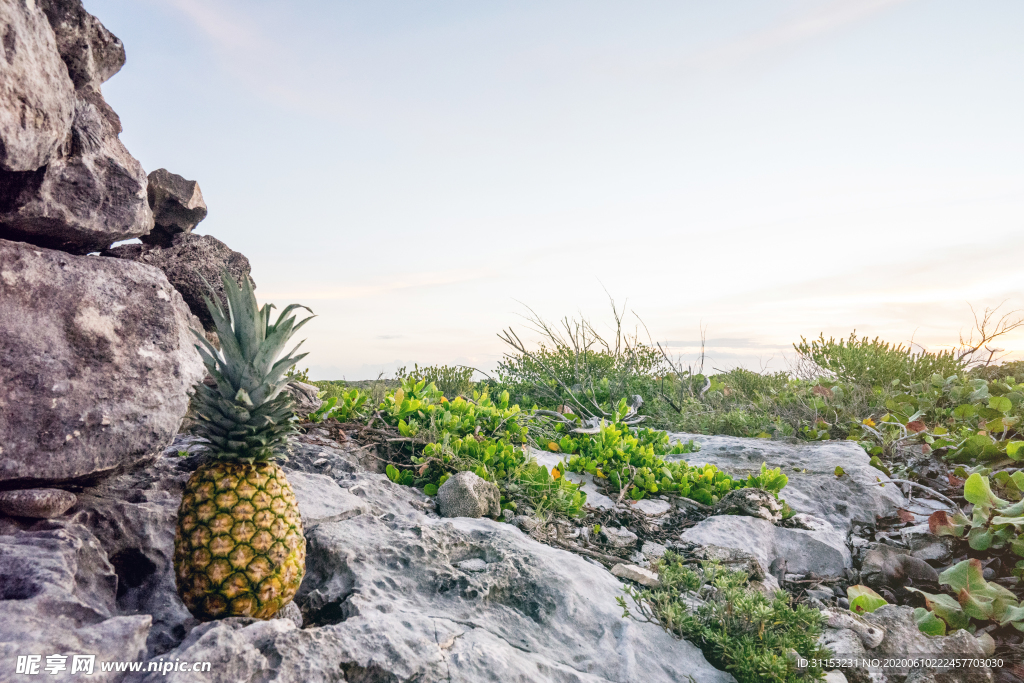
x,y
813,487
305,396
89,196
822,552
385,599
750,503
467,495
96,359
186,263
177,206
57,596
36,503
37,100
91,53
904,640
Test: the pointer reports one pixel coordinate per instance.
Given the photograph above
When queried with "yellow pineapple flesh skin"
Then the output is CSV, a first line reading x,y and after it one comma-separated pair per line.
x,y
239,548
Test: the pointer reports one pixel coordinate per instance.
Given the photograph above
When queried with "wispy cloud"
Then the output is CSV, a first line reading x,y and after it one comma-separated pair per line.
x,y
808,25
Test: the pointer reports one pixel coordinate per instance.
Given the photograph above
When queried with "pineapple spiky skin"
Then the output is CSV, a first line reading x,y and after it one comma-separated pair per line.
x,y
239,548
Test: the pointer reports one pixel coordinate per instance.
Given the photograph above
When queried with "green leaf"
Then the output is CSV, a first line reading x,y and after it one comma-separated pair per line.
x,y
392,472
965,411
430,490
863,600
977,491
946,607
1000,403
840,471
929,623
1013,451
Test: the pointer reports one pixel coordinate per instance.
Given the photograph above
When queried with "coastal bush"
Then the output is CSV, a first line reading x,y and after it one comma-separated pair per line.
x,y
873,362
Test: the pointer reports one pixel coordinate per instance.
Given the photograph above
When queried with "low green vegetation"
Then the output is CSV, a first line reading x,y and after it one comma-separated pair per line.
x,y
754,637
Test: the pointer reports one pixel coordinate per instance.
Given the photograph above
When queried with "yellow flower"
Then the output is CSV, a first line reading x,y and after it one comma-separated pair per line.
x,y
552,446
555,474
869,422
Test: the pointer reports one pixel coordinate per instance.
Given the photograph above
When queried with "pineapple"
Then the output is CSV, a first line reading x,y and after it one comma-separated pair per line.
x,y
239,548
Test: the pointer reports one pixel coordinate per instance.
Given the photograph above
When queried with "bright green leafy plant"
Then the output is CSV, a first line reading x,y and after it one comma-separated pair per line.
x,y
738,628
976,599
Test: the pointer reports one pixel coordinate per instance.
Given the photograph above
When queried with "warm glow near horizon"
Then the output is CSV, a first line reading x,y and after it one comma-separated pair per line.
x,y
420,173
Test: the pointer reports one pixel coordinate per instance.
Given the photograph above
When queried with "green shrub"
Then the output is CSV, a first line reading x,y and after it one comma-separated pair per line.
x,y
739,629
874,362
450,381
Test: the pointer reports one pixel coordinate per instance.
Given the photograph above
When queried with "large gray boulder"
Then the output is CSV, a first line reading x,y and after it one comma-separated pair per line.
x,y
96,361
92,194
177,206
859,495
91,53
468,495
189,261
390,595
37,100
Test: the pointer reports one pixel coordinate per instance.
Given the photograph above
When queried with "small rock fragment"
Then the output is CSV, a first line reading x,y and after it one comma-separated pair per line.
x,y
467,495
645,577
618,537
36,503
472,565
869,634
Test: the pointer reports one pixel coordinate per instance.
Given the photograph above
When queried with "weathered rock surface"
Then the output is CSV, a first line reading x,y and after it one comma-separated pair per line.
x,y
822,552
305,396
86,198
96,359
36,503
391,594
91,53
859,495
177,206
904,640
749,503
57,596
468,495
187,262
37,101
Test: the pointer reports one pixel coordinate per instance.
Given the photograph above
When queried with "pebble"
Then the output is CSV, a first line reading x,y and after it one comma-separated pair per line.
x,y
36,503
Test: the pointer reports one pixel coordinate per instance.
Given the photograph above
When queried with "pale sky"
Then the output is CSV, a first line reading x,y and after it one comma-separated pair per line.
x,y
417,172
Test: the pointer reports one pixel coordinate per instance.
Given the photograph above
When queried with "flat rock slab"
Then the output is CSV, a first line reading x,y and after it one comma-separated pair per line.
x,y
322,500
860,495
822,552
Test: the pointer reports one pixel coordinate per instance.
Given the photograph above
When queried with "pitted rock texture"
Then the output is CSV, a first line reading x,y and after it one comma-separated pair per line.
x,y
904,641
91,53
57,596
859,495
36,503
467,495
177,206
96,361
92,194
751,503
822,552
305,396
390,595
37,99
187,262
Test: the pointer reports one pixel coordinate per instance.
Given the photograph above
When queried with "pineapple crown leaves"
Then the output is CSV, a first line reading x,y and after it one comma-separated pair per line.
x,y
246,417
